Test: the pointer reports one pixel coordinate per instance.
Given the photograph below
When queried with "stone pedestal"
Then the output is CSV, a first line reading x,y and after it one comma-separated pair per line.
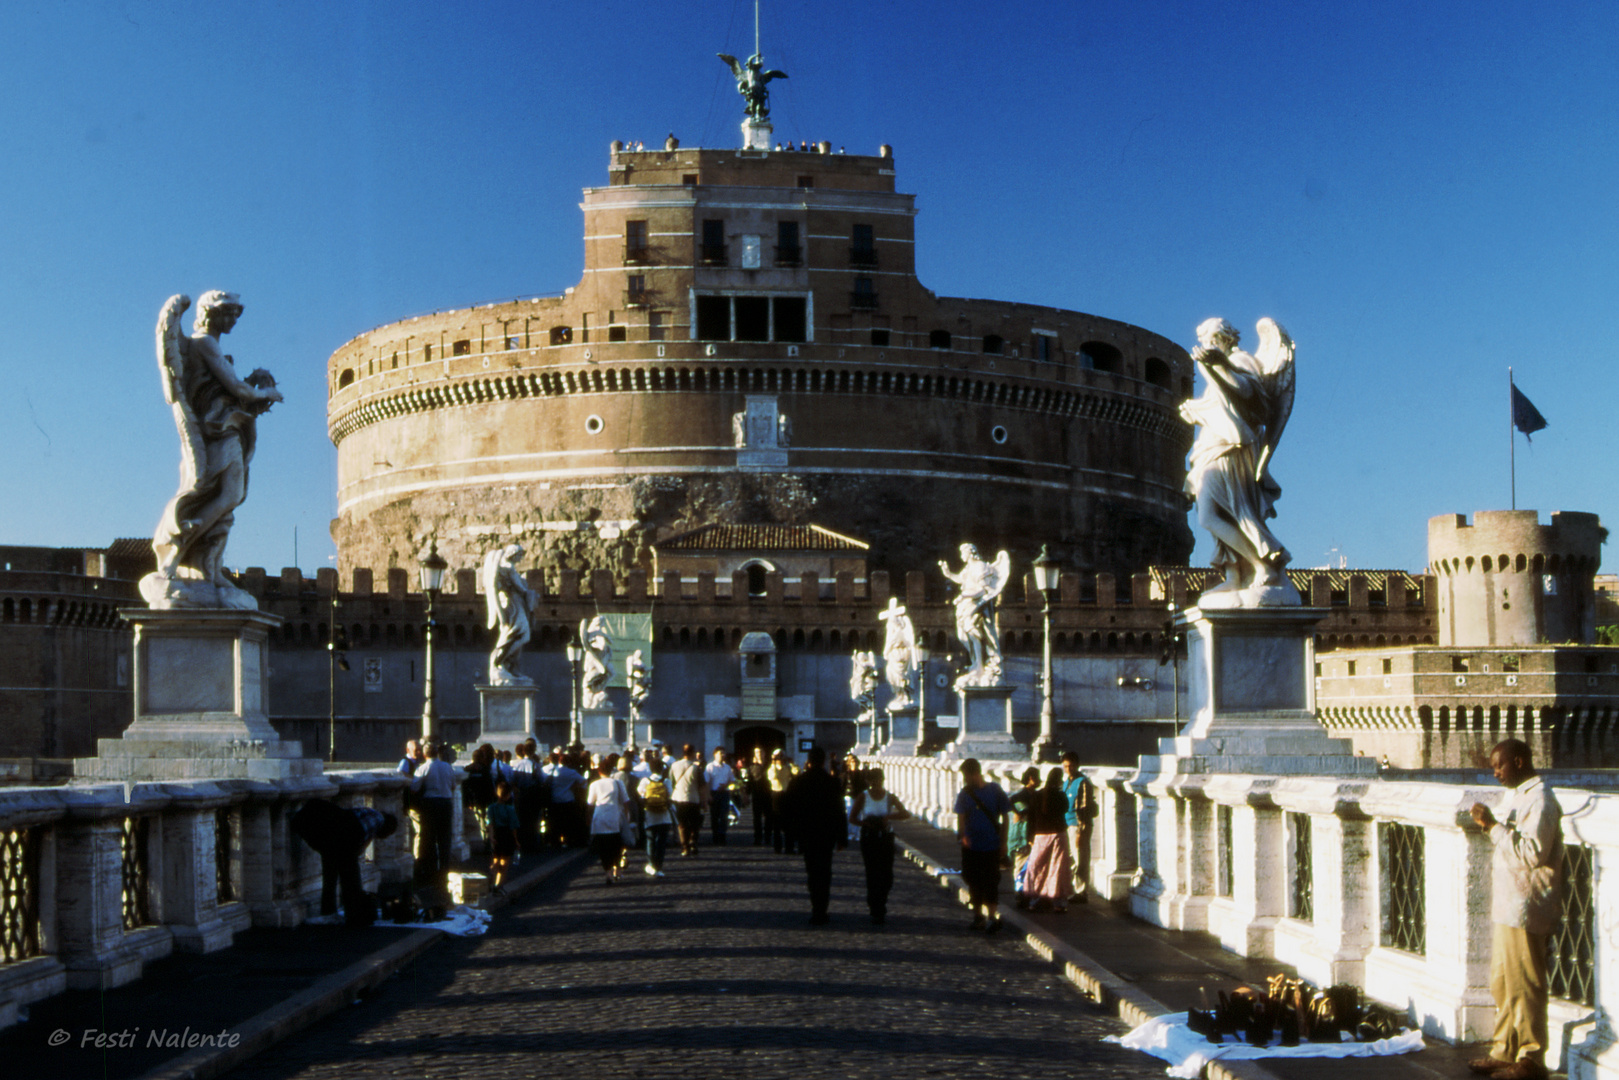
x,y
1251,684
505,715
601,731
756,134
200,678
902,731
986,725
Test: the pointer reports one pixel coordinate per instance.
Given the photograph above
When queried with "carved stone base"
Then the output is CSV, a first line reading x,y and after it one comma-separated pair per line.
x,y
986,725
505,714
199,703
601,731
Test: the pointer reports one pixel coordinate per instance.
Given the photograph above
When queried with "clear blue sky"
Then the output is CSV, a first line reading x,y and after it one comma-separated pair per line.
x,y
1422,193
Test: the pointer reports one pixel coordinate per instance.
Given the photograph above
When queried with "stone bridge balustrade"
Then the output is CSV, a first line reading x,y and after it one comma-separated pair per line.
x,y
1307,870
96,880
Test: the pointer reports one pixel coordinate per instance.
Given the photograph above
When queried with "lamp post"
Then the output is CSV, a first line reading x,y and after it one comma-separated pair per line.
x,y
336,647
922,655
1046,571
575,655
432,579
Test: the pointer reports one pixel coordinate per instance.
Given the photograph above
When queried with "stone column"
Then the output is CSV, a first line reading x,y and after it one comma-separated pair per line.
x,y
190,889
1113,844
96,949
1245,922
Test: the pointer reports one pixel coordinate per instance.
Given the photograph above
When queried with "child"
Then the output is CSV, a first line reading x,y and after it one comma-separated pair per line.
x,y
503,830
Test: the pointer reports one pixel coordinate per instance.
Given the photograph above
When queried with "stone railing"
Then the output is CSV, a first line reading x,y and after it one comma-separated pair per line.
x,y
96,880
1380,883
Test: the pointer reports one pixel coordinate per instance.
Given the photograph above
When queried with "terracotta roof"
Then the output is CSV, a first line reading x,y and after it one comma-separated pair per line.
x,y
130,547
761,538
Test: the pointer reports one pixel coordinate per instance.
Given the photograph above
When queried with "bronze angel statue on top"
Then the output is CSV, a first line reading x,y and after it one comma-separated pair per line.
x,y
1240,419
750,83
216,412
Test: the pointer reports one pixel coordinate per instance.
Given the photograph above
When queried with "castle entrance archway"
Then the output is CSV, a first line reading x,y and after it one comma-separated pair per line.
x,y
745,739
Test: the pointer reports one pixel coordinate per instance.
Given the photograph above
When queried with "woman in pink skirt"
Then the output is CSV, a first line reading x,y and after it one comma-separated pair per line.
x,y
1047,878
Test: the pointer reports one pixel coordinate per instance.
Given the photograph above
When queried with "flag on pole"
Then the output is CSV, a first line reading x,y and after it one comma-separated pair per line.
x,y
1525,417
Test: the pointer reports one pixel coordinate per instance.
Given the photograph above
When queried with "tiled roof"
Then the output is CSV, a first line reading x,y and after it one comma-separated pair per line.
x,y
761,538
1199,578
130,547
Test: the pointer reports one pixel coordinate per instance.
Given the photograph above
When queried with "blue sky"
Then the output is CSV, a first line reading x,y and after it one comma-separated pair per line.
x,y
1422,194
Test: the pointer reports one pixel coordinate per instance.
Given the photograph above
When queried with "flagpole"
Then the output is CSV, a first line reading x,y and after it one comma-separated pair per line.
x,y
1512,441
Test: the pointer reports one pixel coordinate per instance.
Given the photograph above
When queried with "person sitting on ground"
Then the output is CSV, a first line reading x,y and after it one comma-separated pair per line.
x,y
503,825
340,835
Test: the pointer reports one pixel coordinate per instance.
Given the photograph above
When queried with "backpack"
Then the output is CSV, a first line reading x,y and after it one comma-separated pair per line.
x,y
655,794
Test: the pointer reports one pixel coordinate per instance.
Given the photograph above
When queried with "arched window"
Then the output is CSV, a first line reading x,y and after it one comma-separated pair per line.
x,y
1100,356
345,379
757,570
1157,372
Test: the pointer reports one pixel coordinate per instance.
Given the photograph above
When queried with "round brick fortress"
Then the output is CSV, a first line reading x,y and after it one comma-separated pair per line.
x,y
750,344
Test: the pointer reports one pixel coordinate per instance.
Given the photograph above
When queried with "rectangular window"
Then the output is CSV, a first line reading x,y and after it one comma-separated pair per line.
x,y
396,362
862,247
1510,663
584,328
635,246
1303,905
1403,875
654,326
864,296
1460,664
752,318
788,252
1388,666
635,290
461,348
1351,667
713,253
879,337
806,181
791,321
688,179
1042,347
561,335
513,342
713,318
617,333
427,354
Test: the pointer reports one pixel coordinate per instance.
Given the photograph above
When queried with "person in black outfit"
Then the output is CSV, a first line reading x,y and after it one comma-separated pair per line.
x,y
875,809
339,836
814,810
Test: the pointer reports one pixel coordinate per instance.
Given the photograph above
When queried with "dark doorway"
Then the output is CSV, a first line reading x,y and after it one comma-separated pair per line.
x,y
744,741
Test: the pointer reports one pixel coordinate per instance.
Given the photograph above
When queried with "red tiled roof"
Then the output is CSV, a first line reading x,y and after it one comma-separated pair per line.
x,y
761,538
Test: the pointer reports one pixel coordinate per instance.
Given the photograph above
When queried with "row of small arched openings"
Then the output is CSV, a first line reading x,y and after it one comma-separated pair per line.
x,y
1324,642
1578,565
58,612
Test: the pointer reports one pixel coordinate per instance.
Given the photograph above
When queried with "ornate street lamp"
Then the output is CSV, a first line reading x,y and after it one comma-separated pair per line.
x,y
922,655
576,654
432,579
1046,572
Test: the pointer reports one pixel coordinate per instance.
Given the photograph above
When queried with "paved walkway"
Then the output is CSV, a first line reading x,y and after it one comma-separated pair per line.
x,y
713,972
1180,971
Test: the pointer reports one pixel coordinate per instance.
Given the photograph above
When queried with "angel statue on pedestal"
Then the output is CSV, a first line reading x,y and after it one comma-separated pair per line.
x,y
899,654
509,601
1240,419
863,683
981,584
216,412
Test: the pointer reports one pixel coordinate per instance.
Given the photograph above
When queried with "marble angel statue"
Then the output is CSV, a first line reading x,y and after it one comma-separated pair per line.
x,y
981,584
1240,418
899,654
216,412
598,663
509,602
863,682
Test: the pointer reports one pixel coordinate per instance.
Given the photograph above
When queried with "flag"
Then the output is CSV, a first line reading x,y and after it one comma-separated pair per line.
x,y
1525,417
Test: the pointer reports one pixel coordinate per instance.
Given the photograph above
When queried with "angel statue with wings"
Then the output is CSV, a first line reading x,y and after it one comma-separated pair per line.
x,y
598,670
981,584
750,83
509,601
216,412
1240,419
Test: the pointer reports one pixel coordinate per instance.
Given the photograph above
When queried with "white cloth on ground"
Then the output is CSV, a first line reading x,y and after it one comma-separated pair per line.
x,y
1167,1037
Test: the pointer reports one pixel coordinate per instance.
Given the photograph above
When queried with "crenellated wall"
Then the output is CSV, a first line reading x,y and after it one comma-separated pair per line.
x,y
1506,579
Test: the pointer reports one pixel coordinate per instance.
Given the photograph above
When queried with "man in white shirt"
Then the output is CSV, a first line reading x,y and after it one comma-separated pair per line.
x,y
1525,898
719,777
435,787
689,794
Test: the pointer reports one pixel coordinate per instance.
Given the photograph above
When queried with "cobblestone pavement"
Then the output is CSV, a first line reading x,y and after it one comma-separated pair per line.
x,y
713,972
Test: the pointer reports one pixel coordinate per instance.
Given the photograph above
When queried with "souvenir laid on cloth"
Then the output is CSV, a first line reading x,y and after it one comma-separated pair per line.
x,y
461,921
1167,1037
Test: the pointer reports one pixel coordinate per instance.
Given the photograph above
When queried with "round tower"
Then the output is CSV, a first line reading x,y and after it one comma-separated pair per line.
x,y
1506,579
750,344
